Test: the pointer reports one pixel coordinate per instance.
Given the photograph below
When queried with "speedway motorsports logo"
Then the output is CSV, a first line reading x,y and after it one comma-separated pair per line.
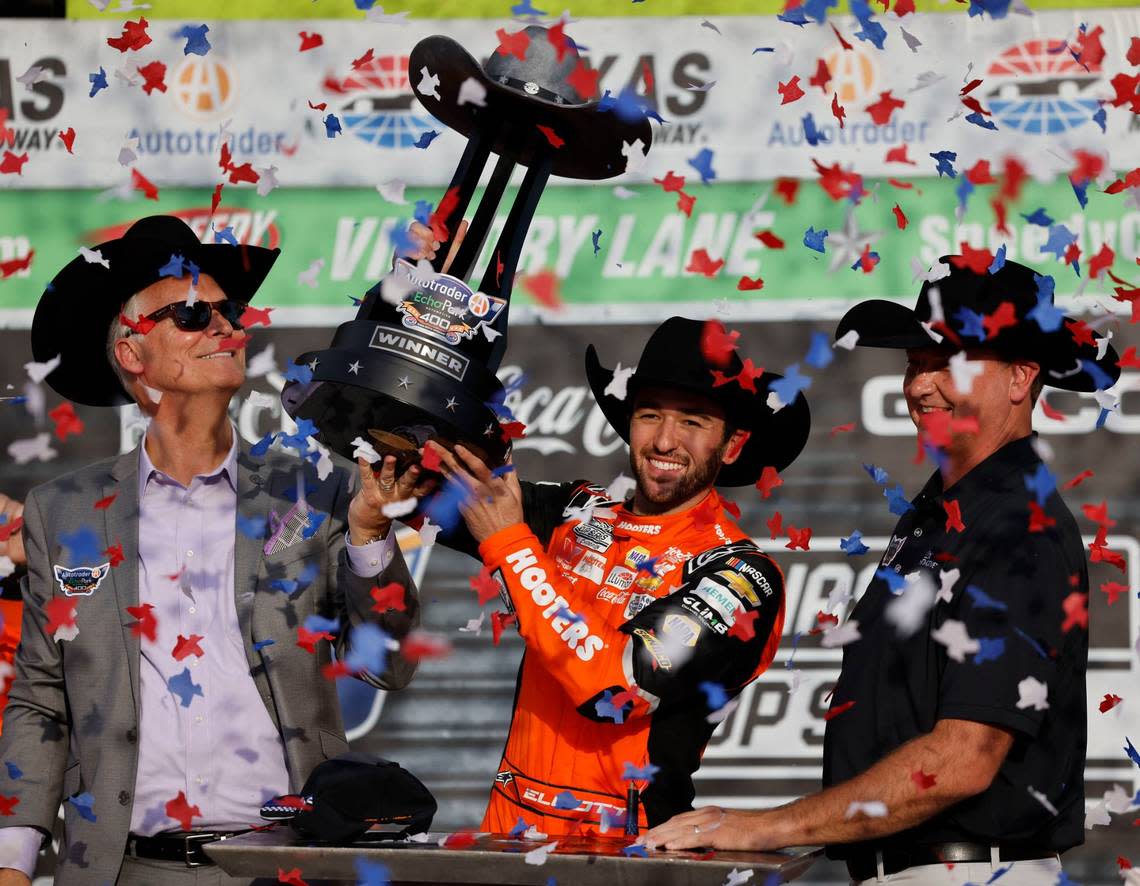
x,y
1039,88
376,104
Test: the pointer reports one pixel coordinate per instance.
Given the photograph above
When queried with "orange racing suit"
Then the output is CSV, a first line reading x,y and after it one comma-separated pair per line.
x,y
628,623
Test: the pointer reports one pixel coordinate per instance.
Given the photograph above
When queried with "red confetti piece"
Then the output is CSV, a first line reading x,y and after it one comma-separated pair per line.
x,y
847,47
790,91
1133,55
1128,359
13,163
799,538
558,39
904,7
551,136
1109,702
776,525
822,620
216,198
1003,317
1081,332
685,203
840,184
8,804
321,107
140,327
977,260
821,77
1072,254
114,554
357,64
1112,590
515,44
310,41
184,647
141,183
953,510
732,507
66,421
717,345
67,136
104,503
584,80
1076,607
154,77
334,670
901,185
837,110
970,87
769,479
60,612
670,182
391,596
1090,50
512,430
1101,261
882,110
10,528
1098,514
923,781
293,877
786,189
842,429
15,265
1079,479
181,811
745,284
745,627
233,343
1099,552
460,839
544,289
700,262
769,239
1039,521
835,710
1123,862
1050,412
979,174
485,586
867,259
308,640
500,621
147,624
900,217
898,155
134,36
255,317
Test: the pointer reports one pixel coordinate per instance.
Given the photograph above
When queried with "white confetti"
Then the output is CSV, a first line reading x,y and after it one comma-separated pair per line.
x,y
94,257
617,386
912,42
952,634
308,277
489,333
429,83
620,488
401,508
364,449
65,633
393,191
948,578
428,532
128,153
623,193
7,567
378,16
869,808
908,610
634,153
964,370
35,448
472,92
1032,694
701,87
774,402
260,400
261,363
738,878
474,625
267,180
722,714
32,76
1042,799
840,635
848,341
538,856
37,372
707,24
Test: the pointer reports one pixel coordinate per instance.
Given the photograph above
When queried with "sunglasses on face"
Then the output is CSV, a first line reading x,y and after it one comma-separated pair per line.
x,y
196,317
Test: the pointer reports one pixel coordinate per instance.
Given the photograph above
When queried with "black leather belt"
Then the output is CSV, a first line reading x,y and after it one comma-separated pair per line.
x,y
186,847
862,865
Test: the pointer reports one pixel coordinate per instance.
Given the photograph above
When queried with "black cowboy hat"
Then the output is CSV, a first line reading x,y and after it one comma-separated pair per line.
x,y
673,358
523,94
78,306
344,796
1035,331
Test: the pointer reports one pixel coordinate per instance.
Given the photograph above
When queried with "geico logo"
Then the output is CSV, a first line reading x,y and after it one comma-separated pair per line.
x,y
885,412
575,634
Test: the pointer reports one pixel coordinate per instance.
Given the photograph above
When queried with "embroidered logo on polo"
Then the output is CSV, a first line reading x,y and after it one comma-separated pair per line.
x,y
595,535
82,581
894,546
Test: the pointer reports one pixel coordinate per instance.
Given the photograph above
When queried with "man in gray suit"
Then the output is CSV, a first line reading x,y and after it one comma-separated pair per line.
x,y
175,668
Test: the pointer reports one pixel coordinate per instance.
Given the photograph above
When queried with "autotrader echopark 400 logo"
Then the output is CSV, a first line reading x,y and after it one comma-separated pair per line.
x,y
1039,88
377,103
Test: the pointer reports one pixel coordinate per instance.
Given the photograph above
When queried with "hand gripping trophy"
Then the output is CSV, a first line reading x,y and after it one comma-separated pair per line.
x,y
421,365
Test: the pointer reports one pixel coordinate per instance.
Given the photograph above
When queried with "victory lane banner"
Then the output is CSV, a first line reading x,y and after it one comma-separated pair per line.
x,y
592,256
332,103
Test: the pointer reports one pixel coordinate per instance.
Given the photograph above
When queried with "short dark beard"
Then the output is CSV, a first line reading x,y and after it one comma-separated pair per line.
x,y
702,478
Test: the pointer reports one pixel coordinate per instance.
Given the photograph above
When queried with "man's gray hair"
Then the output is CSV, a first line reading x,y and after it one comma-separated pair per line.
x,y
118,329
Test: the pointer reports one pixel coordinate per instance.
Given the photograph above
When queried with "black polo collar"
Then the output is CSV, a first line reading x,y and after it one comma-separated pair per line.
x,y
1000,470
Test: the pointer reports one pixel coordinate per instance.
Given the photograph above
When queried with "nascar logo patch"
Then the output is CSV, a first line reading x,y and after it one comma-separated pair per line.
x,y
82,581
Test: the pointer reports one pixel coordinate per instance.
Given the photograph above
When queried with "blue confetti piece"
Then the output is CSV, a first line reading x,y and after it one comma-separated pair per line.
x,y
820,354
816,10
1101,379
702,163
261,644
422,212
261,447
332,126
980,119
879,475
1131,751
1039,217
195,37
172,268
1064,879
502,470
572,617
370,873
604,707
989,649
98,82
520,828
1046,314
813,239
18,400
634,773
896,583
310,571
426,139
443,507
629,106
812,135
982,600
286,586
1041,483
794,17
635,849
897,500
185,688
1060,238
971,324
368,648
997,9
364,5
525,8
595,237
945,161
14,771
872,255
715,696
1046,285
789,387
1100,118
299,373
318,623
300,439
765,48
82,547
252,527
225,235
1081,190
964,189
566,800
1033,643
1102,418
316,518
872,32
853,545
999,260
84,804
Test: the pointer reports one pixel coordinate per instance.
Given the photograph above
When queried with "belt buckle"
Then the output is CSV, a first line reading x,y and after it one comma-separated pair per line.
x,y
190,842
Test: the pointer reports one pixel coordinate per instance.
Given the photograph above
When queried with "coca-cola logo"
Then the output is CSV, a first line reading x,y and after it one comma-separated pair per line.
x,y
559,420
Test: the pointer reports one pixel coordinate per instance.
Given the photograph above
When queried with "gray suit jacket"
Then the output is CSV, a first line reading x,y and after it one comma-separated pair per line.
x,y
71,724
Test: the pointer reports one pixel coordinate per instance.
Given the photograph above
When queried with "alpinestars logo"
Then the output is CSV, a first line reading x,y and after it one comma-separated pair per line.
x,y
378,104
1041,89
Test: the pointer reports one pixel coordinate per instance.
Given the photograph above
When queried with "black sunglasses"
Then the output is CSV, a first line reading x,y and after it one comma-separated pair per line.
x,y
196,317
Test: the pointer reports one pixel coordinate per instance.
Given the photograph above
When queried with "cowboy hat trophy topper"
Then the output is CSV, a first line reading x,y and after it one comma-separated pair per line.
x,y
421,365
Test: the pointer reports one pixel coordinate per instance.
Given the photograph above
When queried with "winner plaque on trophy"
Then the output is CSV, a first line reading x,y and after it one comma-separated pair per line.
x,y
418,363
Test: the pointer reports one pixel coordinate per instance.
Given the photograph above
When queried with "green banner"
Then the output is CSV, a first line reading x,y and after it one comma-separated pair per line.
x,y
206,10
336,243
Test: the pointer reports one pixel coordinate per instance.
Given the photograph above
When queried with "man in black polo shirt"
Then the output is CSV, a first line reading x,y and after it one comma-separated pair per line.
x,y
961,730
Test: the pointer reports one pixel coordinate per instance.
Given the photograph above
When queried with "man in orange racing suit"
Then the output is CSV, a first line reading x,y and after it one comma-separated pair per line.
x,y
640,617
